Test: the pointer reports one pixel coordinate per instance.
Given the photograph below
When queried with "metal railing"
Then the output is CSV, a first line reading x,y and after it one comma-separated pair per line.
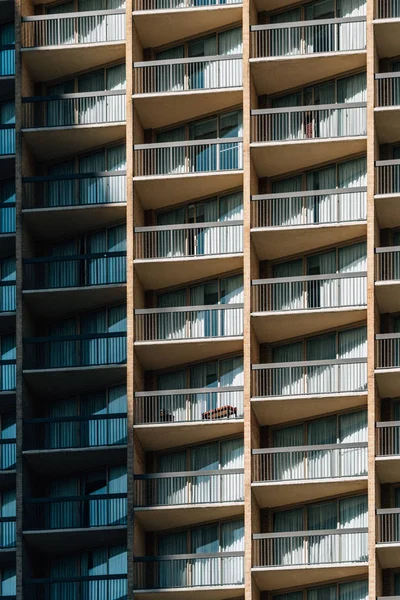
x,y
86,27
7,60
387,177
7,296
7,217
65,110
387,350
193,239
388,9
75,512
310,377
387,89
56,433
184,158
188,570
309,122
84,588
388,438
8,456
388,263
7,139
190,487
297,548
7,375
140,5
297,209
7,532
197,404
86,350
189,322
308,37
337,290
322,461
185,74
50,272
78,189
388,529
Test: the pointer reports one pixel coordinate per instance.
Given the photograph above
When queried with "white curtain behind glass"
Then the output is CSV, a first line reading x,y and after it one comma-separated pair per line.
x,y
353,173
352,89
353,344
353,428
230,73
352,36
354,514
353,259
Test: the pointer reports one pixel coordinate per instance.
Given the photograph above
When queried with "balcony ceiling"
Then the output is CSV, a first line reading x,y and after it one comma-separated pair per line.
x,y
64,540
387,35
388,381
388,468
70,460
387,124
387,294
217,592
272,578
387,211
156,518
388,555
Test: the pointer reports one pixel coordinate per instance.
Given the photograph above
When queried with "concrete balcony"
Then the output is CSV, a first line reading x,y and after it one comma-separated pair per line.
x,y
387,285
289,223
306,136
166,255
387,28
308,472
290,55
172,173
52,284
164,419
66,43
60,125
387,109
169,91
307,388
188,498
388,538
7,540
8,460
388,451
7,140
73,204
309,557
7,306
307,304
387,193
109,586
387,371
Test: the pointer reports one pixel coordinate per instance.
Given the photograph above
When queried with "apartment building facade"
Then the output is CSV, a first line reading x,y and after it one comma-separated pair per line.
x,y
199,299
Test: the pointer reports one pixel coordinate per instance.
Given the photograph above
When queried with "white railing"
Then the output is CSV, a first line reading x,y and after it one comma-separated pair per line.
x,y
140,5
309,122
388,9
66,29
308,37
293,209
194,239
185,74
387,177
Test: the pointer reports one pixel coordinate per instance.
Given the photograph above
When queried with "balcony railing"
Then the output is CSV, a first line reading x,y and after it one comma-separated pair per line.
x,y
84,588
105,268
189,570
180,406
140,5
301,548
388,530
189,322
56,433
388,438
325,461
7,139
308,37
7,218
317,207
387,350
191,487
75,512
7,532
86,350
193,239
89,27
388,9
7,60
387,177
388,263
309,122
8,456
310,377
387,89
7,375
78,189
66,110
7,296
185,158
310,292
187,74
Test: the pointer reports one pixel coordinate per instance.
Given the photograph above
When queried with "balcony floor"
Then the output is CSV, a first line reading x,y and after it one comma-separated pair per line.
x,y
221,592
72,460
163,191
388,468
60,540
156,274
47,143
387,32
160,110
277,242
271,578
387,294
387,210
272,158
53,62
280,325
387,124
276,74
58,302
275,494
160,518
388,382
160,436
270,411
388,555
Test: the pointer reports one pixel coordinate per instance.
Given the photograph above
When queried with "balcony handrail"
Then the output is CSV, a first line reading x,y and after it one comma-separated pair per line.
x,y
309,363
86,13
387,250
387,163
186,61
73,498
6,441
391,75
69,176
312,107
7,47
186,556
156,228
76,337
311,23
177,309
7,519
387,336
388,511
316,532
7,125
208,390
57,97
201,473
185,143
306,194
284,450
77,579
104,417
383,424
256,282
69,257
7,283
